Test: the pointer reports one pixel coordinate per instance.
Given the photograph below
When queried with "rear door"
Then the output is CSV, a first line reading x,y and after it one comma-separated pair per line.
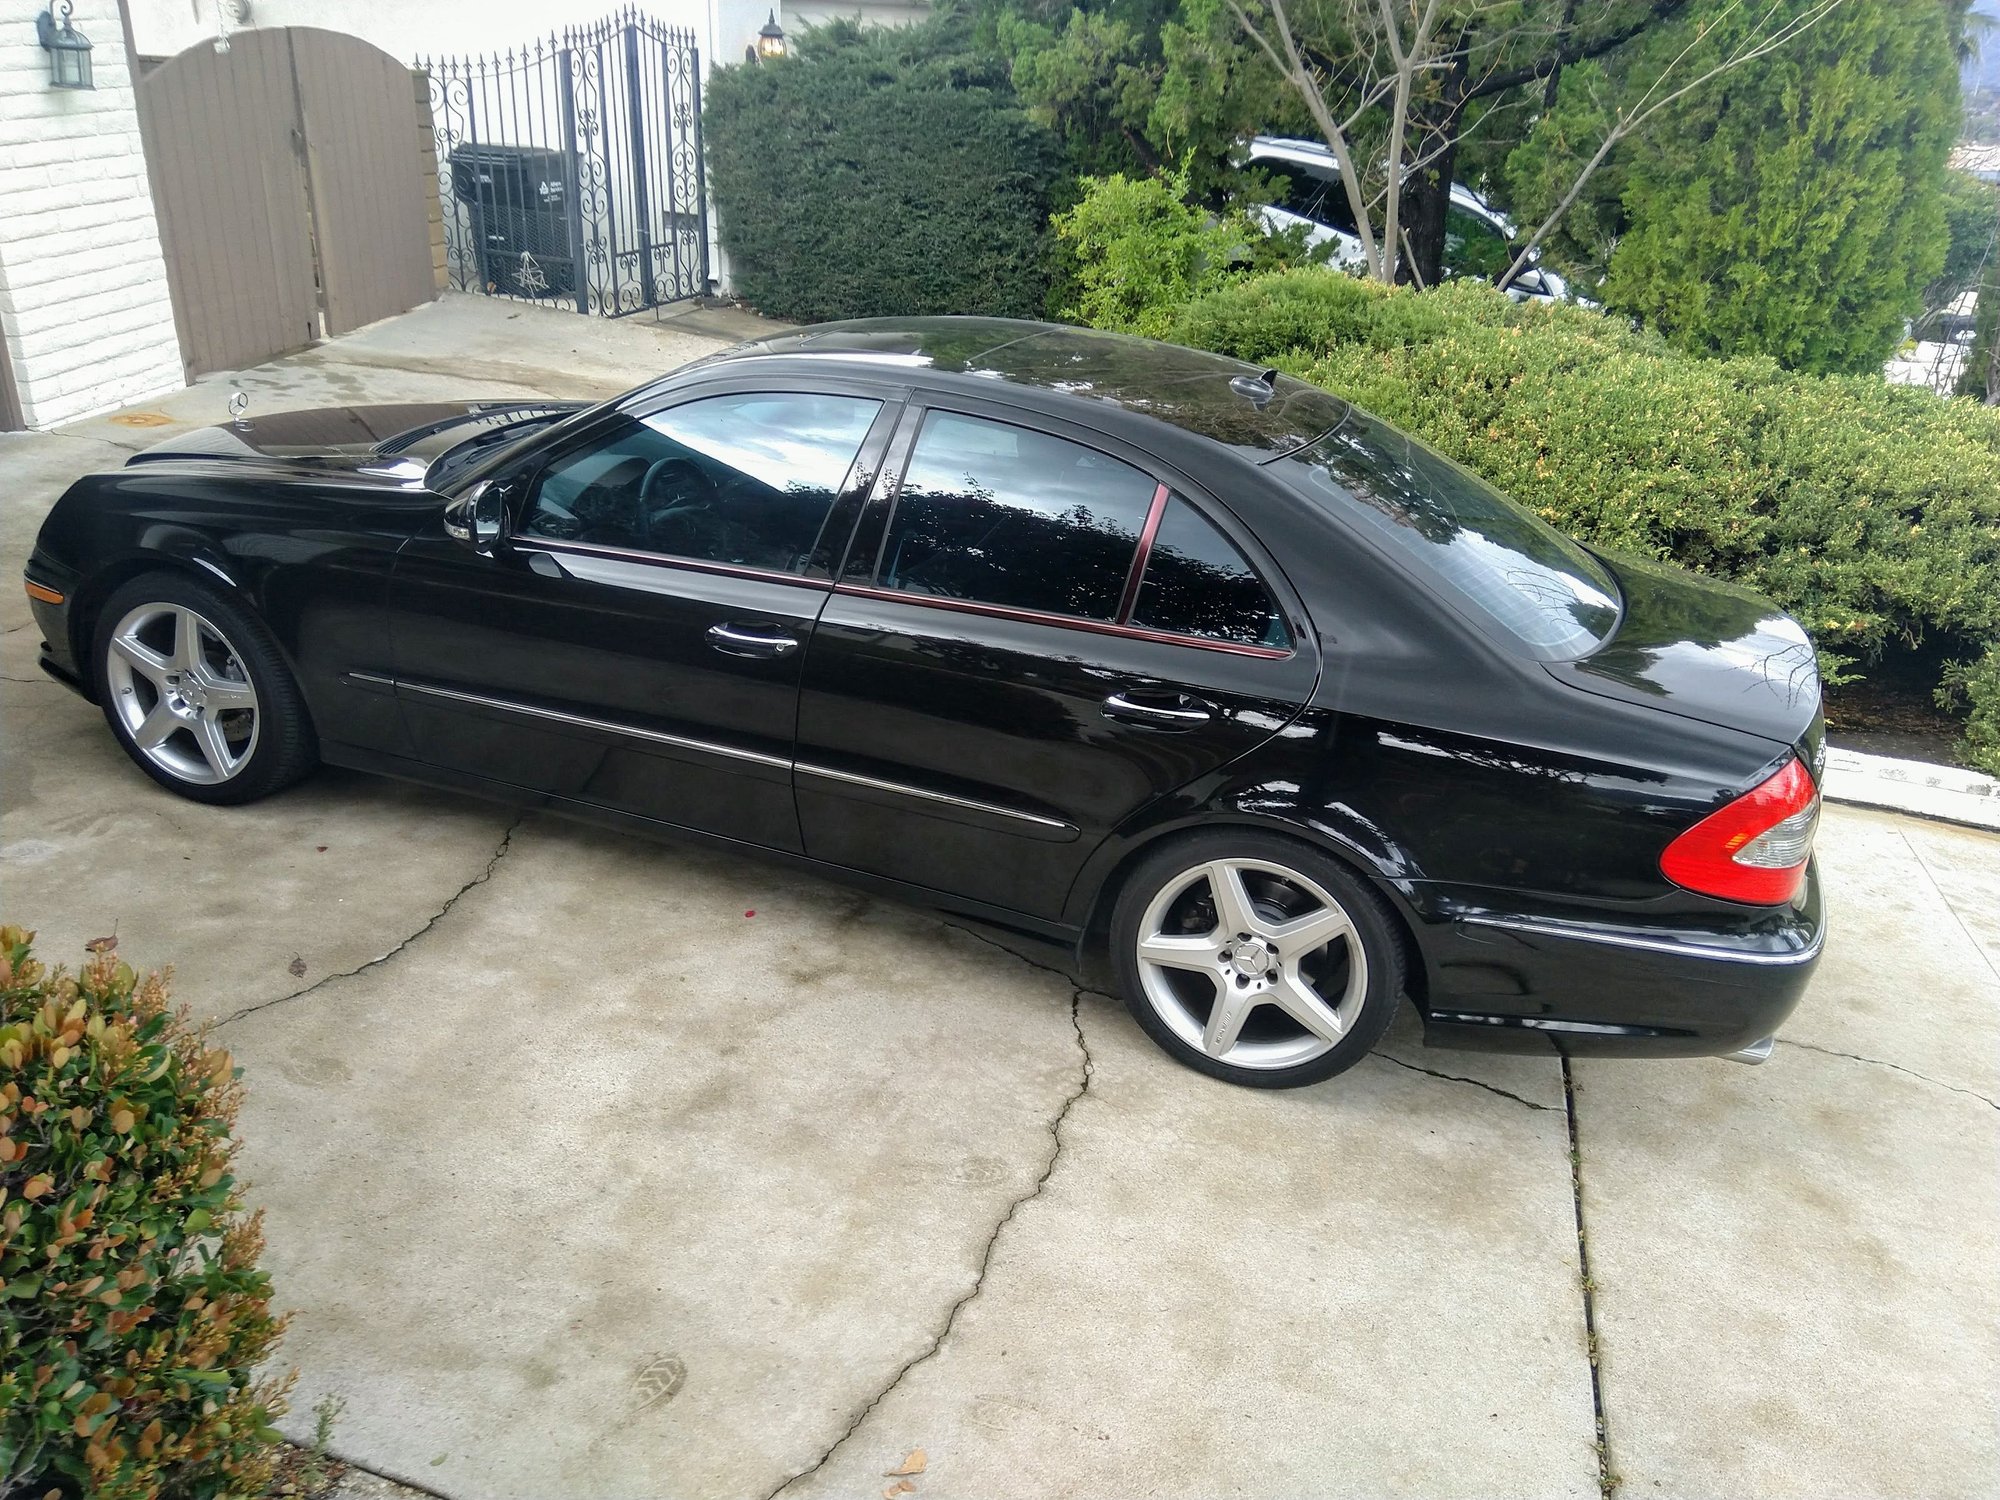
x,y
1036,635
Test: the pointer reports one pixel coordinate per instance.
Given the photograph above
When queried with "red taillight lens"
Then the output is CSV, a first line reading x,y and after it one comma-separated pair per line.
x,y
1755,849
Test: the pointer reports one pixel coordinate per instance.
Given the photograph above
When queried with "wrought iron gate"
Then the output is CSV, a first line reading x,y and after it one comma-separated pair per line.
x,y
570,172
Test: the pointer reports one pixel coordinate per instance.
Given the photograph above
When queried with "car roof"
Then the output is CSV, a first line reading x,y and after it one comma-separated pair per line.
x,y
1318,154
1258,412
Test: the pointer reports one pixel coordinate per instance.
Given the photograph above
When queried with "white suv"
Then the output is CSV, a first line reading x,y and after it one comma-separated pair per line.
x,y
1478,238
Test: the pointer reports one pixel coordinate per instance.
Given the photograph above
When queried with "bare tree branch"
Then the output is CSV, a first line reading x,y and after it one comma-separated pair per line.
x,y
1294,71
1632,118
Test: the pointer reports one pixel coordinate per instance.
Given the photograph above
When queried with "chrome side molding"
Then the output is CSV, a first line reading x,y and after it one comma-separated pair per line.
x,y
708,747
924,794
1544,927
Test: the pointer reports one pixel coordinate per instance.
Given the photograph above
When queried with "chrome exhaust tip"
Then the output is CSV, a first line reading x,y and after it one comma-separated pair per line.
x,y
1753,1054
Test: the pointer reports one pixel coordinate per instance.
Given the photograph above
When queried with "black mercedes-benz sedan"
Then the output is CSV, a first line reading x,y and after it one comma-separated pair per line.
x,y
1188,670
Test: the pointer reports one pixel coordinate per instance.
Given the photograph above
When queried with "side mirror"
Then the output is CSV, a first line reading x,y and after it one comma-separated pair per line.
x,y
478,517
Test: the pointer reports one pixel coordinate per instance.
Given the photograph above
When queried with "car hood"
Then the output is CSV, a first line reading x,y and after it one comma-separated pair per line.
x,y
398,441
1705,650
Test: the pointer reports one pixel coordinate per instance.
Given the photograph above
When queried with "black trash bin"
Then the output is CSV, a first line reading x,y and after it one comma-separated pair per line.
x,y
519,204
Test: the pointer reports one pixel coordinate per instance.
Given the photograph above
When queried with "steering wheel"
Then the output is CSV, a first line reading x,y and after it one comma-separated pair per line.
x,y
697,485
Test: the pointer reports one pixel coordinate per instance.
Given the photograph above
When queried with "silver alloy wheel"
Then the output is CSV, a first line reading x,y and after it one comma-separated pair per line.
x,y
1226,939
182,692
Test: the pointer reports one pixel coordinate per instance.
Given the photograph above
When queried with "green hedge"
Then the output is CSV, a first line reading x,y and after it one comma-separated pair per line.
x,y
1872,512
865,178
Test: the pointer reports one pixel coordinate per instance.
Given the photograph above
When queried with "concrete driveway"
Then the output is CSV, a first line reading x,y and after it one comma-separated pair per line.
x,y
603,1168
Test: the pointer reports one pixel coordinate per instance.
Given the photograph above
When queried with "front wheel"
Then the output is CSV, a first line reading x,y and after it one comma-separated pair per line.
x,y
1256,959
197,693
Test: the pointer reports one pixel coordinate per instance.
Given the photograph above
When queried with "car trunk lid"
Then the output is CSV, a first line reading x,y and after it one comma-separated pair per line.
x,y
1709,651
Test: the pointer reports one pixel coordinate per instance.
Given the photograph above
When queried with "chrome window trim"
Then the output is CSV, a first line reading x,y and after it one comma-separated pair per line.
x,y
1064,622
607,726
906,790
1653,945
528,542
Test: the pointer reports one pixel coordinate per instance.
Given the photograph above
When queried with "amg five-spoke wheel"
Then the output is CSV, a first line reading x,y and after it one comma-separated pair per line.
x,y
197,693
182,692
1256,959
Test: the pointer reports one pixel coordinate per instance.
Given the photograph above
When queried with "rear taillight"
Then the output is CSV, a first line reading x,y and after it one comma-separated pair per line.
x,y
1755,849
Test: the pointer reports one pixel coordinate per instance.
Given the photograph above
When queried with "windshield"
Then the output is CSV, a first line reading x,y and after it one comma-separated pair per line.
x,y
1514,569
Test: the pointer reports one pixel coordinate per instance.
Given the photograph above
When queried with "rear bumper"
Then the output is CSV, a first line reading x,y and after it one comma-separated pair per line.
x,y
1535,983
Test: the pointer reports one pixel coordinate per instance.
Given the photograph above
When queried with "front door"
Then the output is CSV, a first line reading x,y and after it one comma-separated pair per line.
x,y
1036,638
636,641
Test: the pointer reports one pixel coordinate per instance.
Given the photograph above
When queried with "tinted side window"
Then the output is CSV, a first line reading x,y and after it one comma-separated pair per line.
x,y
1007,516
1473,247
1298,192
1311,194
1197,583
744,479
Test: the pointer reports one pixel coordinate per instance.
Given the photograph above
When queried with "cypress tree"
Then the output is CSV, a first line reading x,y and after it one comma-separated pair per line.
x,y
1794,206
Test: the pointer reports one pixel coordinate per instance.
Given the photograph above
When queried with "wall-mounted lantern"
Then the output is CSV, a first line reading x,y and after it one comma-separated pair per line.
x,y
68,49
770,38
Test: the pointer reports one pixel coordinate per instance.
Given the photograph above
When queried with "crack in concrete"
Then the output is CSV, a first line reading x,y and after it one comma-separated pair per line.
x,y
1924,865
29,681
102,442
1876,1062
1456,1078
385,1476
937,1343
486,874
1607,1482
999,947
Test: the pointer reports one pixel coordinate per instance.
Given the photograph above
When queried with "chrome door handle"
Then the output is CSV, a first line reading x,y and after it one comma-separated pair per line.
x,y
1154,715
733,640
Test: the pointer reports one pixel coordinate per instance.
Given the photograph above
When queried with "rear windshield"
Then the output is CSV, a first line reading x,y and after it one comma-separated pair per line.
x,y
1509,565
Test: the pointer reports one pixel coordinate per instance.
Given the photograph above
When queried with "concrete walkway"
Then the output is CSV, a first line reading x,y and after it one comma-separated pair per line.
x,y
603,1168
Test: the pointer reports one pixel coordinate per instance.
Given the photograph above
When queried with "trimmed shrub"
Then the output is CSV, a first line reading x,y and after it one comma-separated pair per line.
x,y
1134,250
1870,511
135,1311
865,177
1974,686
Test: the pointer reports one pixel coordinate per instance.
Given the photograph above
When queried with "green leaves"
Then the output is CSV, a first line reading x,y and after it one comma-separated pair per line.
x,y
1871,512
1795,207
877,175
135,1312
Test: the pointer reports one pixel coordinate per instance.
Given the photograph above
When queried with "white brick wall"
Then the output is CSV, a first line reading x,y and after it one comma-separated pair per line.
x,y
83,287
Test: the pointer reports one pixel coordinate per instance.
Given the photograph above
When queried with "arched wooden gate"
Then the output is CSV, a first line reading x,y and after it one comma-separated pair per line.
x,y
293,184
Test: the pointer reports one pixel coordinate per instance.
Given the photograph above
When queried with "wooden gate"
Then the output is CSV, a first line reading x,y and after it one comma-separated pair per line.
x,y
293,198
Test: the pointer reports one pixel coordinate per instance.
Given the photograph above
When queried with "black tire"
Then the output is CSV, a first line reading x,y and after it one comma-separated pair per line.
x,y
284,747
1368,1000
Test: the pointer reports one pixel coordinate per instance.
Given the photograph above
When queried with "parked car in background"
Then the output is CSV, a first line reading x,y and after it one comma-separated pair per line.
x,y
1478,238
1152,656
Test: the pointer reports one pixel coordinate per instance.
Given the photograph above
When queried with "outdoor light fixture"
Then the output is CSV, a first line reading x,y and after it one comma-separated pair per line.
x,y
771,38
68,49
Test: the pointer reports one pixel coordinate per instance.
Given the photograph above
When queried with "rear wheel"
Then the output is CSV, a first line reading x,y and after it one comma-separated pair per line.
x,y
1256,959
197,693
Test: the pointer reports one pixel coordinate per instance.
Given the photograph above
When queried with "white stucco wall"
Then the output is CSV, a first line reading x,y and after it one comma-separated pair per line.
x,y
83,288
410,29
